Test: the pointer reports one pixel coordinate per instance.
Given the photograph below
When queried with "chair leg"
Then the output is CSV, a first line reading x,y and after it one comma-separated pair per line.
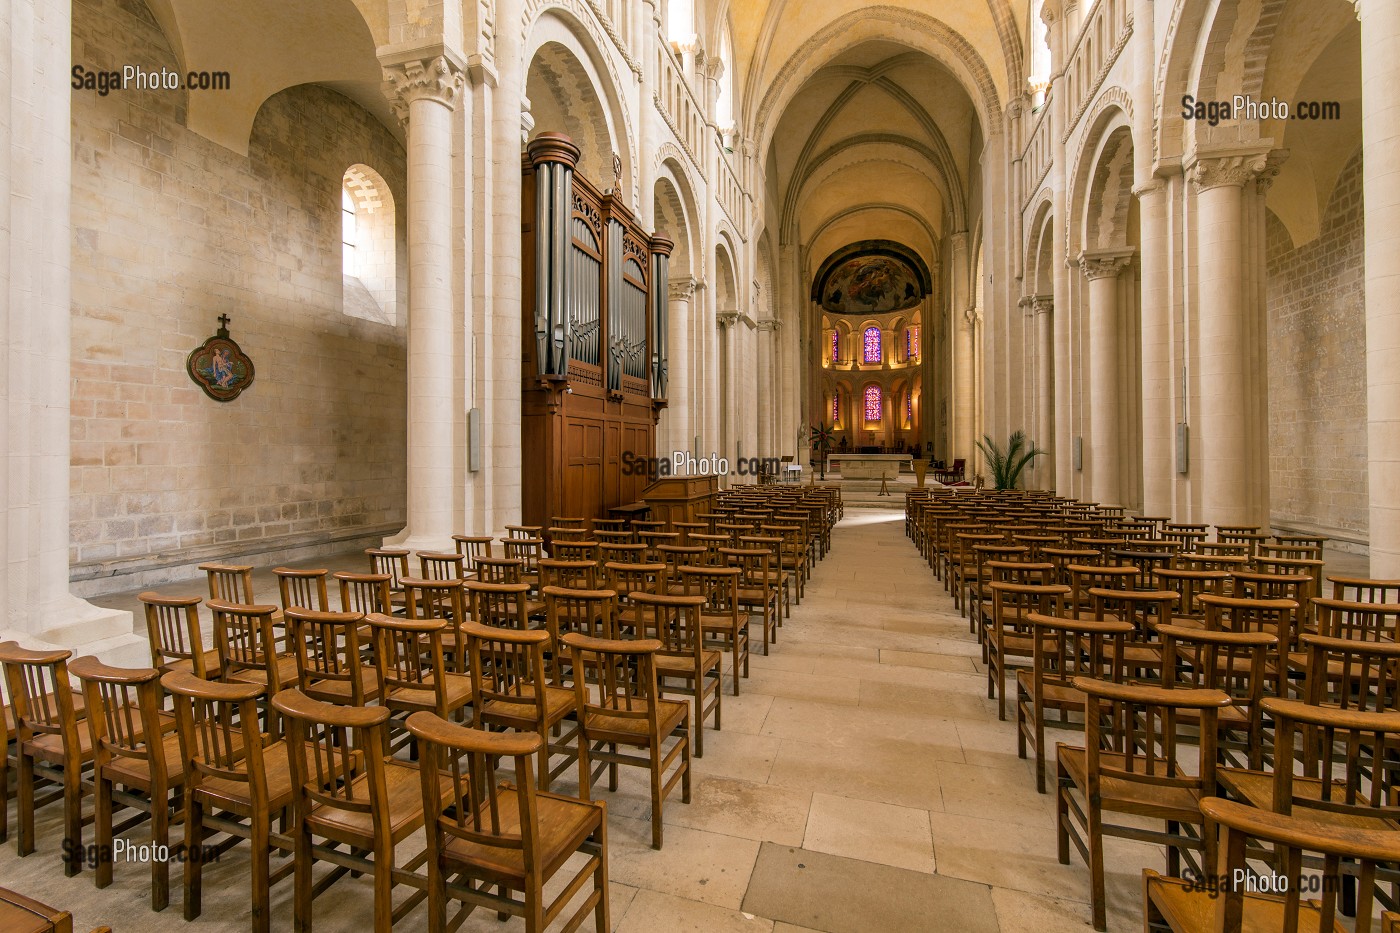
x,y
685,763
383,885
1094,838
262,873
26,804
4,794
601,921
102,831
656,765
543,767
1062,819
160,836
194,865
73,819
585,786
302,872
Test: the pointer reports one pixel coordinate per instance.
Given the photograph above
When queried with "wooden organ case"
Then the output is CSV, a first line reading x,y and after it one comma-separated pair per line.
x,y
594,340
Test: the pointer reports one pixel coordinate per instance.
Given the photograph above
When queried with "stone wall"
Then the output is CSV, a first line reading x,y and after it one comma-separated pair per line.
x,y
170,231
1317,369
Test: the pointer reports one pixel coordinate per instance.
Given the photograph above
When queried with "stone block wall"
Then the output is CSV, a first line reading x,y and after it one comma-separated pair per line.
x,y
171,230
1317,369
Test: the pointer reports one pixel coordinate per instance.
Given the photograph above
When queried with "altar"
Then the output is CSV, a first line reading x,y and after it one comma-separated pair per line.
x,y
869,466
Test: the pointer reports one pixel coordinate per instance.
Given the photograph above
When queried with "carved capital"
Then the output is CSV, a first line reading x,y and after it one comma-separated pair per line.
x,y
1230,169
435,78
1155,186
1103,264
727,319
1043,304
681,289
771,325
1273,164
1027,305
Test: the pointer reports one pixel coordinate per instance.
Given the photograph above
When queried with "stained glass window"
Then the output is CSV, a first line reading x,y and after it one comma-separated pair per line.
x,y
872,345
872,402
835,407
911,342
835,346
909,406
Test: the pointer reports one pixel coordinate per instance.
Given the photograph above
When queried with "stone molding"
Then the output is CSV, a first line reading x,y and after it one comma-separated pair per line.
x,y
434,78
1043,304
1273,164
682,288
1155,186
727,318
1106,263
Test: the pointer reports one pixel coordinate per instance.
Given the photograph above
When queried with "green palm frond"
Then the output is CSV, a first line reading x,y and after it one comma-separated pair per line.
x,y
1007,465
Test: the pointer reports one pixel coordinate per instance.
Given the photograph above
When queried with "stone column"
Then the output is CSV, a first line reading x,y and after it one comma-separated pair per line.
x,y
964,353
1158,437
1380,121
769,379
679,415
426,91
1043,307
36,309
1221,453
1101,268
725,440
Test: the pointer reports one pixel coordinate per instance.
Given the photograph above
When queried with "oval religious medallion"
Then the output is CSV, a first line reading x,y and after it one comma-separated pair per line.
x,y
219,366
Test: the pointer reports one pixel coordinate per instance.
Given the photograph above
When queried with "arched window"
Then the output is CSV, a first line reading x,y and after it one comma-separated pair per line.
x,y
872,403
908,407
1039,77
911,342
724,107
836,407
835,346
872,345
680,21
369,246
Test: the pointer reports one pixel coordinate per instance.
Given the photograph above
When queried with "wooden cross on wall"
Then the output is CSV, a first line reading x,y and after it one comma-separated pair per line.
x,y
224,320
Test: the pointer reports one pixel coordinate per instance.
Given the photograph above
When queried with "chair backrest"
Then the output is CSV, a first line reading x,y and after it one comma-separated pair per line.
x,y
475,810
1237,614
592,612
755,565
1013,604
1191,584
172,628
1364,589
720,588
527,550
232,583
123,714
1065,648
1132,732
1143,608
327,646
390,560
433,599
607,536
577,551
1083,578
498,604
302,588
621,552
41,696
674,621
1234,662
472,547
520,532
335,757
364,592
218,727
1288,838
627,579
1362,621
500,570
578,574
244,639
1351,673
615,678
408,655
435,565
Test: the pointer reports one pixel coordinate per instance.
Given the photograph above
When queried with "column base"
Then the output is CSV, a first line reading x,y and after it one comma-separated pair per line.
x,y
86,629
421,542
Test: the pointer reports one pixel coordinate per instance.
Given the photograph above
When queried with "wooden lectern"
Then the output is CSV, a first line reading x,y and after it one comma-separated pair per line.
x,y
680,498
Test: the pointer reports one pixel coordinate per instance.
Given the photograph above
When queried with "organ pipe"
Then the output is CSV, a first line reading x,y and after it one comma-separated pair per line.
x,y
553,156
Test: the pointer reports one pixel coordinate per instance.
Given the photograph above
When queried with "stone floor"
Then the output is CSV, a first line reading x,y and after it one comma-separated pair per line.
x,y
861,782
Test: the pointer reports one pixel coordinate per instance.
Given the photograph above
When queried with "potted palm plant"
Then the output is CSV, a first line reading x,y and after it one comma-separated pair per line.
x,y
821,443
1006,465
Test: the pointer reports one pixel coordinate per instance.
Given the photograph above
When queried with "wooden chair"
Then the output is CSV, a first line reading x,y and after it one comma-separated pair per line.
x,y
592,612
330,657
7,739
578,551
439,599
758,588
236,782
528,551
1364,589
435,565
504,835
1131,767
394,562
1350,674
674,621
1277,617
724,622
1235,663
512,691
502,605
413,675
1063,649
230,583
575,573
523,532
626,580
346,793
472,547
1010,634
619,704
172,628
136,748
1224,905
305,589
621,553
248,650
50,745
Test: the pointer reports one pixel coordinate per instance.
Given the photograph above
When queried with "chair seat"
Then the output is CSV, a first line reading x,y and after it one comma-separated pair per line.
x,y
49,747
339,691
458,693
1257,787
212,664
404,793
558,703
287,673
233,795
1181,804
683,665
564,823
1056,694
1187,905
630,731
136,772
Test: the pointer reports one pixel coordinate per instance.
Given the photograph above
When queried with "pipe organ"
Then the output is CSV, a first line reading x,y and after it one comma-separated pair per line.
x,y
594,367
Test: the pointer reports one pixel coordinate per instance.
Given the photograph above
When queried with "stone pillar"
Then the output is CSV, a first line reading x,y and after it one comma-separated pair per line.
x,y
679,416
1043,307
769,380
1380,122
426,91
964,353
36,155
1158,419
725,440
1101,268
1061,446
1220,449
